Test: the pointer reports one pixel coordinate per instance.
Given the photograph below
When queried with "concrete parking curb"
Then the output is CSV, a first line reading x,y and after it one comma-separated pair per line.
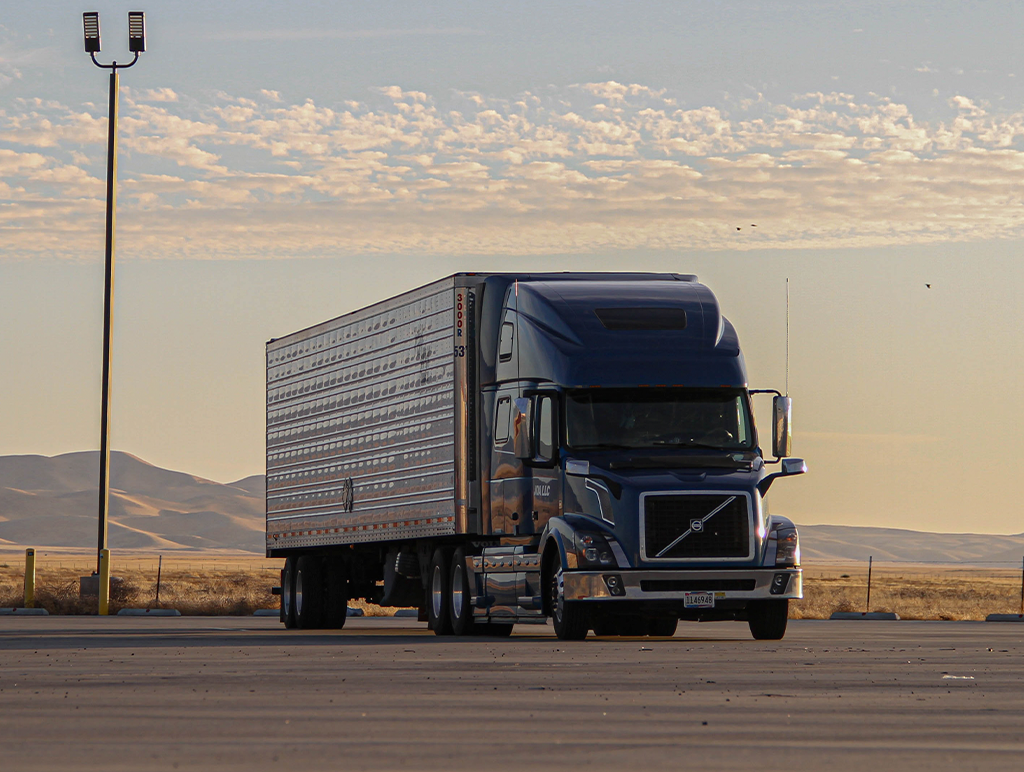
x,y
27,612
872,615
149,612
1005,618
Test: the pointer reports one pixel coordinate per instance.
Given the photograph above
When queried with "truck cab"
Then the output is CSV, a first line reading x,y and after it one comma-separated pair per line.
x,y
626,476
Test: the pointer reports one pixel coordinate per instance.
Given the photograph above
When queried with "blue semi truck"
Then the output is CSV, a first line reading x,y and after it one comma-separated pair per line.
x,y
500,449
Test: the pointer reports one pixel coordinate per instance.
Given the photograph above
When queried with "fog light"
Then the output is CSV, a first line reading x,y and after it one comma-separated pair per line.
x,y
614,584
780,582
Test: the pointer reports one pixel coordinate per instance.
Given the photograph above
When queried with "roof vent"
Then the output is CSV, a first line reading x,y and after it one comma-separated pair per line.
x,y
644,318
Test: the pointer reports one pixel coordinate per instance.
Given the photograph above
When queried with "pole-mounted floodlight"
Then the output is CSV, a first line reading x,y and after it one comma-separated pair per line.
x,y
136,45
136,37
136,32
91,22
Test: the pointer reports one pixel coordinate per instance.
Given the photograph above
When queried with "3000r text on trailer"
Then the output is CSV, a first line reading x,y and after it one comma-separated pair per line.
x,y
503,448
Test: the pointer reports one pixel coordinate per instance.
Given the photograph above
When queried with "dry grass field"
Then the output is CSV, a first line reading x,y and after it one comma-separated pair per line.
x,y
196,584
239,584
912,591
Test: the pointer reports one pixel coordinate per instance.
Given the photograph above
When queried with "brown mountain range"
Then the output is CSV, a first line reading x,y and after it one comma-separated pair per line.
x,y
51,502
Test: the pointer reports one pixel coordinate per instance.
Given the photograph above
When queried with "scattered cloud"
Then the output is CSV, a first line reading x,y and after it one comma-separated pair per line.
x,y
593,166
291,35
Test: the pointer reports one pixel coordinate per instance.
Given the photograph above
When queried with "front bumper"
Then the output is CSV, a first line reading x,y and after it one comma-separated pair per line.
x,y
667,585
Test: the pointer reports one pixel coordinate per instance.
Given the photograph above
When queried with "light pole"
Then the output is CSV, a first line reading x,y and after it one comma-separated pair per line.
x,y
136,45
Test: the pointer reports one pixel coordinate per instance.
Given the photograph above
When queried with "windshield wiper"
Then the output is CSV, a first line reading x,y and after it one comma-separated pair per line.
x,y
605,446
688,445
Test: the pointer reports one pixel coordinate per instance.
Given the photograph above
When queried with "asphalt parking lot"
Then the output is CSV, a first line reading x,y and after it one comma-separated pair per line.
x,y
119,693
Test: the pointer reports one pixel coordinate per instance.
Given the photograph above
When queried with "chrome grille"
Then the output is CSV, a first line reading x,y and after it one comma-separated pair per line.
x,y
698,526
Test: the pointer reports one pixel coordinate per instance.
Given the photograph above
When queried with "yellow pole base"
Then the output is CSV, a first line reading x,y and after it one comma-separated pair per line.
x,y
104,589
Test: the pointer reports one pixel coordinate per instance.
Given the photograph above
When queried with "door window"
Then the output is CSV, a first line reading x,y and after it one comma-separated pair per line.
x,y
502,412
546,428
505,345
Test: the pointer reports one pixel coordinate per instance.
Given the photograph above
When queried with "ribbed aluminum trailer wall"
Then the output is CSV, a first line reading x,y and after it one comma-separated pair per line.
x,y
361,434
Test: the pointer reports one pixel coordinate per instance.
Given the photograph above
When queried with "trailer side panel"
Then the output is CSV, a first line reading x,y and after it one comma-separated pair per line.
x,y
361,425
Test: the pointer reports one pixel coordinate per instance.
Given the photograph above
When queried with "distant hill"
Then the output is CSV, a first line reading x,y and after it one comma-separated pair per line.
x,y
52,502
856,543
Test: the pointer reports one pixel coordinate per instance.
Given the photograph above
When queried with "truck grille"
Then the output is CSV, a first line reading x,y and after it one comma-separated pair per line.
x,y
694,527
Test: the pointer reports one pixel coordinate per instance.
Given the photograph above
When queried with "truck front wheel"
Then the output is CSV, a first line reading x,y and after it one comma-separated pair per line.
x,y
569,618
767,619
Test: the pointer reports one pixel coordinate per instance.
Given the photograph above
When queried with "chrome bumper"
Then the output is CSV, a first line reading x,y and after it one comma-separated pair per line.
x,y
590,585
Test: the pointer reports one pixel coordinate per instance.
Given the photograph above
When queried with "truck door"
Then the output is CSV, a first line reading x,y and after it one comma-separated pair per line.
x,y
503,461
545,481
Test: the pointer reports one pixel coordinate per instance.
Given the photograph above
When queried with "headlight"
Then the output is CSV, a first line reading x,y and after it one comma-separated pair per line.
x,y
787,551
593,550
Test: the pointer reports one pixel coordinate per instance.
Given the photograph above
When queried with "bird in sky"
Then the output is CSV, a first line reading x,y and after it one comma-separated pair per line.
x,y
929,286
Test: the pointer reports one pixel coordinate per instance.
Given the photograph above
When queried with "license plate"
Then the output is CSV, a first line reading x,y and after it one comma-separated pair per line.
x,y
699,599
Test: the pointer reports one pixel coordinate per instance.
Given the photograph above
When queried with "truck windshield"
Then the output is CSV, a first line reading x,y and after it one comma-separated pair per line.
x,y
658,418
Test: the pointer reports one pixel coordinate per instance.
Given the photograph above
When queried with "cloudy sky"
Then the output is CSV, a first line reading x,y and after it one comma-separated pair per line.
x,y
284,163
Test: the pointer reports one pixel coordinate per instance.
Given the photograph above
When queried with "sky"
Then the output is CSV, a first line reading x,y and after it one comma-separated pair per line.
x,y
283,163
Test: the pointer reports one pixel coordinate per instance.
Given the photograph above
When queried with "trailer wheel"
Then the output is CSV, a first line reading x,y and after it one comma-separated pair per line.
x,y
288,592
336,594
309,593
461,604
439,595
767,619
569,618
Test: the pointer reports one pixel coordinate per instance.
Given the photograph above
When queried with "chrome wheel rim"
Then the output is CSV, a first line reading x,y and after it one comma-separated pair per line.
x,y
557,595
286,594
457,599
436,592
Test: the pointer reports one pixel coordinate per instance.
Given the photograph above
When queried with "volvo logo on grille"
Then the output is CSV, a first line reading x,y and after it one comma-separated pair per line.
x,y
697,525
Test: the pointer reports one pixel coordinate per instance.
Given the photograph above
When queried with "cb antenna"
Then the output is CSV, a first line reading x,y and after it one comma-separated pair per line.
x,y
787,336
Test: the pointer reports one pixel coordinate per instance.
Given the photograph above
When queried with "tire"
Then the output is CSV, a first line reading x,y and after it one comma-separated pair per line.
x,y
288,593
569,618
460,601
493,629
662,627
767,619
335,594
309,593
438,594
620,626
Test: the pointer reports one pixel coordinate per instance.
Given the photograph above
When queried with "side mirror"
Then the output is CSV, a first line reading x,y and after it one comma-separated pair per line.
x,y
522,428
782,427
790,466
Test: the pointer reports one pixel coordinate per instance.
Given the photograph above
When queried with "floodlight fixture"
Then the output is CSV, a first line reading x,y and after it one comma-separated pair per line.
x,y
136,32
91,24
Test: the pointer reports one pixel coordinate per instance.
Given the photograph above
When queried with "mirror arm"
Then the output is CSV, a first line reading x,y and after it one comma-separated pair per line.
x,y
766,483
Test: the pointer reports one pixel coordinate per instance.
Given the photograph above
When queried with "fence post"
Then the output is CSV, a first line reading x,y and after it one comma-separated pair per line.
x,y
159,569
30,578
867,603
